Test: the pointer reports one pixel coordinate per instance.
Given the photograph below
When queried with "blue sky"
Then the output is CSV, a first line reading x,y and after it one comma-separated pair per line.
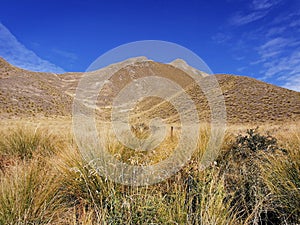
x,y
257,38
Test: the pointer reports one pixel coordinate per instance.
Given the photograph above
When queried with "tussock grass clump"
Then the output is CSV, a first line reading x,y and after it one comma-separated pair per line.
x,y
29,194
81,184
24,142
206,199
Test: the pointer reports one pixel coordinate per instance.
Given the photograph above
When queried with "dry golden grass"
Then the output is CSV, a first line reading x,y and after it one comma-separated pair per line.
x,y
61,188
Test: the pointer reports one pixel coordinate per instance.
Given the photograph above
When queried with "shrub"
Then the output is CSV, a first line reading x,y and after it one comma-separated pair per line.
x,y
243,178
254,142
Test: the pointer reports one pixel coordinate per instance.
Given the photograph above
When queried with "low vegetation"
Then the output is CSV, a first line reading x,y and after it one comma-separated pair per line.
x,y
255,180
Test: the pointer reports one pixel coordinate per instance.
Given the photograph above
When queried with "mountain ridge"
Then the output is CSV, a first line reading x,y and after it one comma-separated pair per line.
x,y
29,94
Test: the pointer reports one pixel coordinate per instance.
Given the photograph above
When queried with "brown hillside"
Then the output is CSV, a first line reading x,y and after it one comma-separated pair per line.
x,y
249,100
24,93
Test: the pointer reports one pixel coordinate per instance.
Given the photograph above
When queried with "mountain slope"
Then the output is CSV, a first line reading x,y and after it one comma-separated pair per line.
x,y
24,93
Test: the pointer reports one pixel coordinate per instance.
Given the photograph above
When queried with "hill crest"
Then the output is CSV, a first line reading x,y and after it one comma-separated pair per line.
x,y
26,94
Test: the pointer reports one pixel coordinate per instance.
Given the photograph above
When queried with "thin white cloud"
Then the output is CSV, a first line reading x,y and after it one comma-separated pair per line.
x,y
286,17
261,4
241,69
273,48
295,23
240,18
257,10
285,69
264,4
275,31
221,37
293,83
274,60
68,55
275,42
17,54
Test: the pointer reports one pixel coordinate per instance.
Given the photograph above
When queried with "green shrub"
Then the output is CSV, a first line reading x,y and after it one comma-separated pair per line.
x,y
254,142
241,166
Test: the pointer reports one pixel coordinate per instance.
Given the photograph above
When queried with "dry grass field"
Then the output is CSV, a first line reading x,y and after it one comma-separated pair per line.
x,y
44,178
